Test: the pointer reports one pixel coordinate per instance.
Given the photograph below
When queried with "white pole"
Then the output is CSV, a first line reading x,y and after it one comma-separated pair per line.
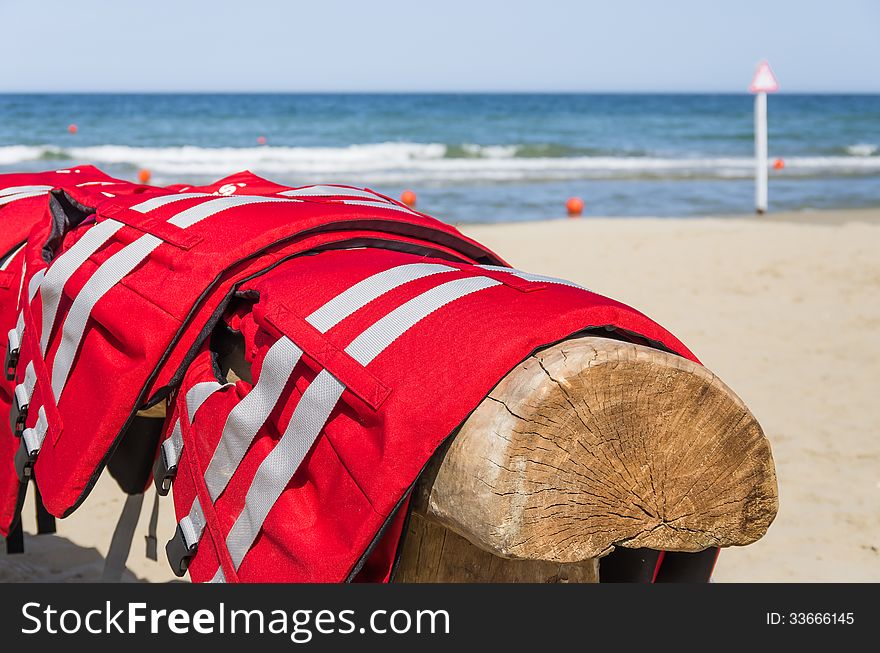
x,y
760,152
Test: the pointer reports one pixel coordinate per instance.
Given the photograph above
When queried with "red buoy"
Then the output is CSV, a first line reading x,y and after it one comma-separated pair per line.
x,y
778,164
144,176
261,140
72,128
408,197
574,206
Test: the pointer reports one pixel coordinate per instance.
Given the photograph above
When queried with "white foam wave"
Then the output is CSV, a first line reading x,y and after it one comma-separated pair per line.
x,y
400,163
862,149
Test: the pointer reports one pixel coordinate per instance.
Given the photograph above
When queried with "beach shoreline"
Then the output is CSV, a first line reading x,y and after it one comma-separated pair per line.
x,y
783,307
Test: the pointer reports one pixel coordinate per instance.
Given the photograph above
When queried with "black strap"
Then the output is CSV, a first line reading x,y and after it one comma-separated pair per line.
x,y
152,542
15,538
45,519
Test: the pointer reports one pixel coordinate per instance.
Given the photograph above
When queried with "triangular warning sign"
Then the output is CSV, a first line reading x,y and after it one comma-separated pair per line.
x,y
764,80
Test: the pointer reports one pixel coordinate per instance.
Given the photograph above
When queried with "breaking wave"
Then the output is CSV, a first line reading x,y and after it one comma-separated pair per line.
x,y
393,163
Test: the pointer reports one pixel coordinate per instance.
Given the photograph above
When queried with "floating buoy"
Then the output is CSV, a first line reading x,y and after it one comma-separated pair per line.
x,y
144,176
778,164
72,128
574,206
261,140
408,197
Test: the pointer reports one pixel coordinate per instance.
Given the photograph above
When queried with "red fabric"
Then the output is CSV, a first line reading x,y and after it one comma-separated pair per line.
x,y
394,414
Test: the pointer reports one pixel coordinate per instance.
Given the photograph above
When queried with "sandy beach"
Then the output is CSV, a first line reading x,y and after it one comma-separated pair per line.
x,y
784,308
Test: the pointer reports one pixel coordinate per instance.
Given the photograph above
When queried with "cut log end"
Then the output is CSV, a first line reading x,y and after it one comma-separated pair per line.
x,y
595,443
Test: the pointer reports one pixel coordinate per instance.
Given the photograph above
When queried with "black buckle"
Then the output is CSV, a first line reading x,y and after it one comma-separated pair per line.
x,y
179,554
163,475
17,416
11,362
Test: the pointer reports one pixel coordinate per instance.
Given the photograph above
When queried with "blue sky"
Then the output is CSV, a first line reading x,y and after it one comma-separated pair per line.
x,y
443,45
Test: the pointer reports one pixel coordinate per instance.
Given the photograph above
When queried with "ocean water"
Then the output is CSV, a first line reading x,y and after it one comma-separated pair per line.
x,y
473,157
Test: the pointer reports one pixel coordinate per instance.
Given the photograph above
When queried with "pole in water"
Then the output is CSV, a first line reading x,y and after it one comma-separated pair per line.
x,y
761,152
764,82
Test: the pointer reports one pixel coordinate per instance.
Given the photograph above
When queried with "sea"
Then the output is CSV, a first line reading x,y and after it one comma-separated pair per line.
x,y
473,157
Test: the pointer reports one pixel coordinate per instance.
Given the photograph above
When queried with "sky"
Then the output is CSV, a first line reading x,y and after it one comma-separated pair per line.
x,y
440,45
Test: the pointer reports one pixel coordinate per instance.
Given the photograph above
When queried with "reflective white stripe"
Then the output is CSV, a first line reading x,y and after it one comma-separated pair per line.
x,y
382,333
63,267
108,275
118,266
33,286
16,190
246,418
308,419
528,276
317,403
330,191
33,437
11,256
21,196
194,214
376,205
173,446
193,525
363,292
195,397
218,577
158,202
25,390
252,412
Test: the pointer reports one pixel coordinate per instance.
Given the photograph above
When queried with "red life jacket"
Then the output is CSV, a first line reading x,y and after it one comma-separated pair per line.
x,y
23,204
365,361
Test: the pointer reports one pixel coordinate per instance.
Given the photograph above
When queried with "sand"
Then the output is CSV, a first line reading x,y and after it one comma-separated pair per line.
x,y
785,309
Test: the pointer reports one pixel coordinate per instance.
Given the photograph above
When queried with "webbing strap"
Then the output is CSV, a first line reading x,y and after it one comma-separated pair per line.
x,y
318,401
528,276
6,199
17,190
63,267
123,535
15,537
330,191
152,540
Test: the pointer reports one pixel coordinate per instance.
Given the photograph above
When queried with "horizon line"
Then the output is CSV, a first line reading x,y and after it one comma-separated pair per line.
x,y
428,92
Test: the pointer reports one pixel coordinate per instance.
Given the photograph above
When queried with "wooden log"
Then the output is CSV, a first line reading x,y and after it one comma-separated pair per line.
x,y
434,554
595,443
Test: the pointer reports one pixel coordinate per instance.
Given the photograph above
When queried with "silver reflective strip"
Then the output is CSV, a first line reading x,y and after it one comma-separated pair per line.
x,y
16,190
193,525
195,397
330,191
21,196
363,292
33,286
194,214
33,437
317,403
11,256
173,446
108,275
528,276
158,202
198,394
250,414
382,333
63,267
218,577
276,470
25,390
376,205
